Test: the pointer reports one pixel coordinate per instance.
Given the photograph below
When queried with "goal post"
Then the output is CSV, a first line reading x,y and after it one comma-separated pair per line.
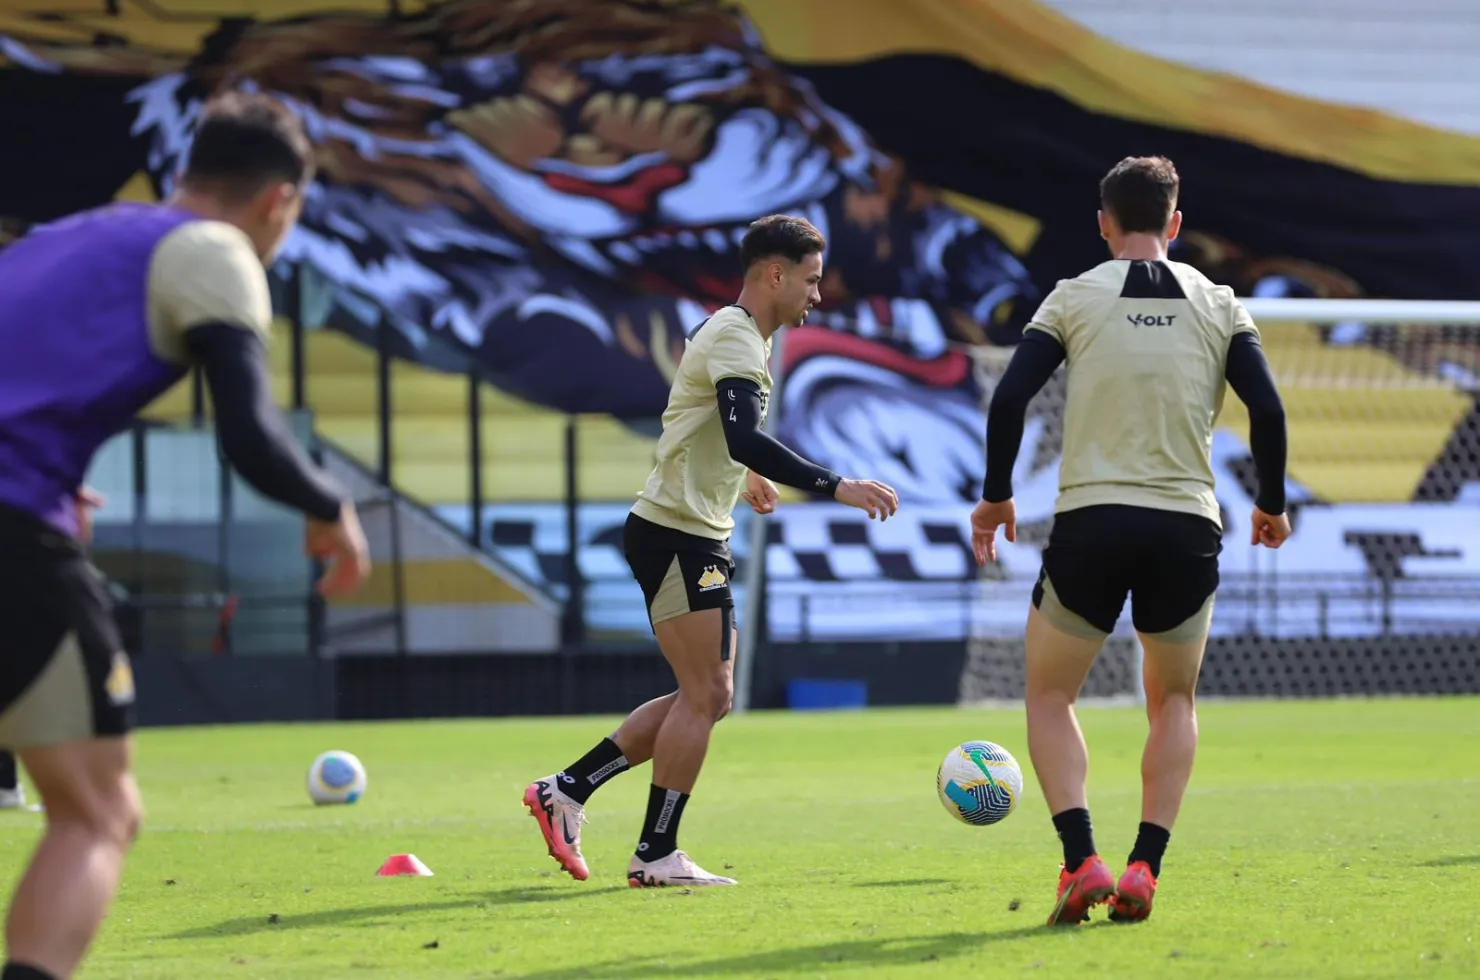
x,y
1372,312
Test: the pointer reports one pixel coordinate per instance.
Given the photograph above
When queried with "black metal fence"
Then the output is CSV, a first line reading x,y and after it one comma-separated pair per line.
x,y
224,601
197,563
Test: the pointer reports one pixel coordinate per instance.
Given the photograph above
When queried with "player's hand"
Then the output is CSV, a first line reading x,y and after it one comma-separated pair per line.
x,y
985,520
88,500
878,499
1270,530
760,493
341,546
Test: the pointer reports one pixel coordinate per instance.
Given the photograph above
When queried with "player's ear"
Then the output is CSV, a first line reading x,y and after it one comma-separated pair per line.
x,y
287,198
273,200
1174,227
774,273
1106,229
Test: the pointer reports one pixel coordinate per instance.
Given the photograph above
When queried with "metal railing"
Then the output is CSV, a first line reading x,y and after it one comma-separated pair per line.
x,y
196,562
392,407
1320,607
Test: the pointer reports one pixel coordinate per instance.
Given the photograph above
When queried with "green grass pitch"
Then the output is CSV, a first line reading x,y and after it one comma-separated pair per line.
x,y
1319,839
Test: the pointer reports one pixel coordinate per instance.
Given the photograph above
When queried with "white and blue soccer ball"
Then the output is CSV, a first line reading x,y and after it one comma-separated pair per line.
x,y
979,783
336,777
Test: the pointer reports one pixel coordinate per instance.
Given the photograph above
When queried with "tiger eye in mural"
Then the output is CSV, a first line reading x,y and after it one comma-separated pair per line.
x,y
560,186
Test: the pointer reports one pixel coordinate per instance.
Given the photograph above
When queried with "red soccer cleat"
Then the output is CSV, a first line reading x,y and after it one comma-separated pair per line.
x,y
1081,891
560,820
1132,901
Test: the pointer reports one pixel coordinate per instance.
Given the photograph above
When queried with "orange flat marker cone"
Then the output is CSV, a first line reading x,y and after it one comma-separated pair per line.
x,y
403,864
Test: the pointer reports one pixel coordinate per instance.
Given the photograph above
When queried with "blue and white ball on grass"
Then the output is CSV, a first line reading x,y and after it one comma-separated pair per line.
x,y
979,783
336,777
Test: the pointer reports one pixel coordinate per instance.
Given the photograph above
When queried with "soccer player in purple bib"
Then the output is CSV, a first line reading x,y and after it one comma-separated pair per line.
x,y
100,313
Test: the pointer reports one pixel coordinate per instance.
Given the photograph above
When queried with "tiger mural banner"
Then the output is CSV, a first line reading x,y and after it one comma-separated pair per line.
x,y
559,187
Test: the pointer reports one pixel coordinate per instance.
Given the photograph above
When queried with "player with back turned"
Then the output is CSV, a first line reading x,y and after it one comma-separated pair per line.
x,y
100,313
712,453
1149,345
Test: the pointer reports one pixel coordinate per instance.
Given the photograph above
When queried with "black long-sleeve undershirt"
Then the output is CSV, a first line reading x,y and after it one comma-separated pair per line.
x,y
1039,355
1032,364
749,445
1247,372
253,435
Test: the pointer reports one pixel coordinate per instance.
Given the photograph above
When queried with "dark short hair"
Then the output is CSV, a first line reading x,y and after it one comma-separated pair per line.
x,y
246,141
780,235
1141,193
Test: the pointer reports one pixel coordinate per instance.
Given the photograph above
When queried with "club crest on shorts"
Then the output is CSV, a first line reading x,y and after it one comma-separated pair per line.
x,y
120,682
712,579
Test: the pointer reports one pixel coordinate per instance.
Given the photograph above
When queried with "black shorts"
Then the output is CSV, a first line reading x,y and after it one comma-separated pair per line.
x,y
679,573
64,674
1166,560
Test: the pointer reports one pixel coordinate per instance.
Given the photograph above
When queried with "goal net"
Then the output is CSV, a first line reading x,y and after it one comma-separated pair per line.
x,y
1375,592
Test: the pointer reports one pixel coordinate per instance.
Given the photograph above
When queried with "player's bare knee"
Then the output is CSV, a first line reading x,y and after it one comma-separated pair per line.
x,y
1182,701
117,813
709,694
1050,699
721,694
108,809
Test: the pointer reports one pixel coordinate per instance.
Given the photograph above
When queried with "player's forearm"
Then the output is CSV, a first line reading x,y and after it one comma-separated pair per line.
x,y
249,427
1267,444
740,414
1005,422
1032,364
1249,376
764,455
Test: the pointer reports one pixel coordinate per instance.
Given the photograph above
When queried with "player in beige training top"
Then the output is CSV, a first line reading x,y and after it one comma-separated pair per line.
x,y
1150,345
711,454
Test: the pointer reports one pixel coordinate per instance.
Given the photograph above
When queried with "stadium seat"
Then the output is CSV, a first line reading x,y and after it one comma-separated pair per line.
x,y
523,445
1363,426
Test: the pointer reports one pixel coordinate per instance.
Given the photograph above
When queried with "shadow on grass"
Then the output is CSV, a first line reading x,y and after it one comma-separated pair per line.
x,y
895,951
1454,861
339,917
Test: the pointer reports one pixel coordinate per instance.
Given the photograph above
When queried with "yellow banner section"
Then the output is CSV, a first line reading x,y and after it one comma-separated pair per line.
x,y
1032,44
1020,39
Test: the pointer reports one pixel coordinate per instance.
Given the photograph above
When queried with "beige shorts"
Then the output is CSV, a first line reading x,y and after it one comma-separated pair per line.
x,y
64,675
679,573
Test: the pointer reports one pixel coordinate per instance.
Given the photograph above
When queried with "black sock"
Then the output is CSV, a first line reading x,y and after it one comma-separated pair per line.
x,y
9,778
14,971
581,778
1079,840
660,829
1151,846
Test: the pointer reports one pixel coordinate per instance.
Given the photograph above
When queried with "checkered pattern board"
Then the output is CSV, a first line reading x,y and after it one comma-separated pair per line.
x,y
836,574
814,543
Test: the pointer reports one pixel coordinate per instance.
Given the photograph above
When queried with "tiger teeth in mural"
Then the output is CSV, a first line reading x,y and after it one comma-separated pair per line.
x,y
559,186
